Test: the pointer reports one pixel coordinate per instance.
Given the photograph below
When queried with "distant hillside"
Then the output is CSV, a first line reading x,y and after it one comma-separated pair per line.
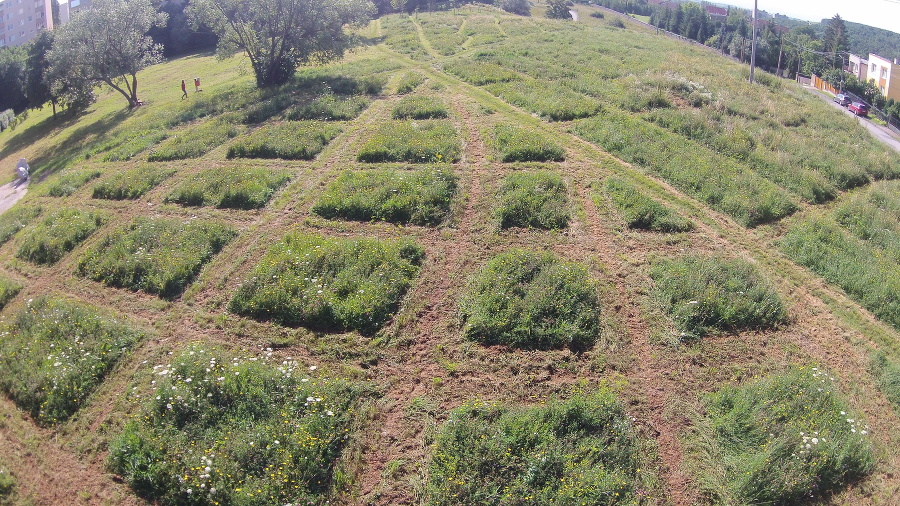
x,y
865,39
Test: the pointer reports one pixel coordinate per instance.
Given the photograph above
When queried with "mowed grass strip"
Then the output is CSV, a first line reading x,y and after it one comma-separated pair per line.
x,y
517,144
289,140
582,450
787,438
706,294
641,211
220,428
56,352
70,181
533,200
131,184
420,107
430,141
330,284
195,141
155,255
230,188
524,299
420,197
16,219
59,233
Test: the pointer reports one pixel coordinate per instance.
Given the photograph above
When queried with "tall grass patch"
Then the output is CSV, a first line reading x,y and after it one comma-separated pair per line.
x,y
230,188
786,438
534,200
55,353
16,219
409,82
583,450
547,100
517,144
219,428
531,300
887,373
342,284
194,142
131,184
9,288
290,140
59,233
154,255
330,107
704,294
480,73
873,215
420,197
420,107
70,181
427,141
641,211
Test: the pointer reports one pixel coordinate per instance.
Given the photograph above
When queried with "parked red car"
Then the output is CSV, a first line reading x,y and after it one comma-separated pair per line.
x,y
859,109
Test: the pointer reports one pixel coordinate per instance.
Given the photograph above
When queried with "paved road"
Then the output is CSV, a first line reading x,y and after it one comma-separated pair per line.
x,y
10,193
884,134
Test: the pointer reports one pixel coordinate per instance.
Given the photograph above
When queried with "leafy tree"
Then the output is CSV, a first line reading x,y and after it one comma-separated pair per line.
x,y
37,64
835,38
108,44
279,35
177,36
558,9
520,7
12,79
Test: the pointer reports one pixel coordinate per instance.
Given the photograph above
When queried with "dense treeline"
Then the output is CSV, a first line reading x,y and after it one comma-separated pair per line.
x,y
865,39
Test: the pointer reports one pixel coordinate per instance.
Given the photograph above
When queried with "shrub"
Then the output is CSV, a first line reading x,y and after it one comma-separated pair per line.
x,y
409,82
230,188
531,300
131,184
421,197
480,73
786,438
194,142
517,144
345,284
703,294
16,219
583,450
419,107
224,429
159,256
412,142
55,355
9,288
68,182
291,140
597,14
57,235
329,107
641,211
616,22
534,200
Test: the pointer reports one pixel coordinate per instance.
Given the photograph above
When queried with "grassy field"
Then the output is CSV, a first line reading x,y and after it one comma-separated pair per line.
x,y
484,258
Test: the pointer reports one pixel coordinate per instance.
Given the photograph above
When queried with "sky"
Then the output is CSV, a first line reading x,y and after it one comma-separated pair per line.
x,y
881,13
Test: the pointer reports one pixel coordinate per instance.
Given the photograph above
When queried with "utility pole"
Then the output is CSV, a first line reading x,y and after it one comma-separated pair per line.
x,y
723,35
753,44
780,52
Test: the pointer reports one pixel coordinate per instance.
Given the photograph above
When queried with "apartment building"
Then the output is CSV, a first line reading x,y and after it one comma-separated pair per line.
x,y
886,74
21,20
859,67
76,6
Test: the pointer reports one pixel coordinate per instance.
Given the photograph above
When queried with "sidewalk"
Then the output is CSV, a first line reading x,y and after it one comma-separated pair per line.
x,y
10,193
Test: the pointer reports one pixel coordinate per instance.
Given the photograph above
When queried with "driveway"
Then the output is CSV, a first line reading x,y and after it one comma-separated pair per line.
x,y
883,134
10,193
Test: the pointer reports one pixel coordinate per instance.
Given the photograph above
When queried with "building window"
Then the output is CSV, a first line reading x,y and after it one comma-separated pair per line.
x,y
873,69
74,3
884,73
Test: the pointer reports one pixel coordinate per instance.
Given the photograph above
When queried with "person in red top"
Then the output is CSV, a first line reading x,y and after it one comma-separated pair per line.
x,y
183,90
197,84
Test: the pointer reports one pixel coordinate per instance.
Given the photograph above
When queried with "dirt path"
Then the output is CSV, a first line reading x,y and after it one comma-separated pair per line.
x,y
10,193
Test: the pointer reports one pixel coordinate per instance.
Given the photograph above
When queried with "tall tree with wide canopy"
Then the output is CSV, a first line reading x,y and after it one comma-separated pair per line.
x,y
834,39
279,35
108,44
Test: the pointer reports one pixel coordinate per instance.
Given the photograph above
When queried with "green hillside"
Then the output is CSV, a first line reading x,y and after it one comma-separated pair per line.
x,y
483,259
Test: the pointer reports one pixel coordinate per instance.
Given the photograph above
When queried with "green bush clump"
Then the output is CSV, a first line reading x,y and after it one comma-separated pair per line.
x,y
711,293
419,107
787,438
583,450
343,284
7,485
531,300
9,288
217,428
533,200
56,353
159,256
551,101
421,197
131,184
194,142
330,107
57,235
409,82
517,144
16,219
641,211
887,373
427,141
861,269
68,182
480,73
291,140
230,188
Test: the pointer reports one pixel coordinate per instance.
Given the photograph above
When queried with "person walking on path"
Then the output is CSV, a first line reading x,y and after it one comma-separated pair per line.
x,y
183,90
197,84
